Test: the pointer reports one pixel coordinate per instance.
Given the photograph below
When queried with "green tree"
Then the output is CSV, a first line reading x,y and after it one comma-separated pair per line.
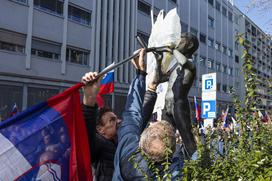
x,y
247,155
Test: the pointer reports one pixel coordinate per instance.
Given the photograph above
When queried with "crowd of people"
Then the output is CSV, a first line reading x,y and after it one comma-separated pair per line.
x,y
135,148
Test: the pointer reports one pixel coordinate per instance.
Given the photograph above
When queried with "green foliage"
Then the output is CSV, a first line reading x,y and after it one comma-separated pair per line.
x,y
248,155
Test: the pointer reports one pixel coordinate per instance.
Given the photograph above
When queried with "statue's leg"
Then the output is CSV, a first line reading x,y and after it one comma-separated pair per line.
x,y
181,111
183,124
166,116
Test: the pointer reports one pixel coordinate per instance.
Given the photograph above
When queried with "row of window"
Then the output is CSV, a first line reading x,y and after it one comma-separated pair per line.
x,y
221,87
45,54
14,94
211,64
77,56
221,8
72,55
145,7
12,47
56,7
215,44
211,43
225,88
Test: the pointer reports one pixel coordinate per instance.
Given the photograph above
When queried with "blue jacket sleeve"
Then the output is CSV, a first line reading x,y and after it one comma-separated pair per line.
x,y
132,116
131,126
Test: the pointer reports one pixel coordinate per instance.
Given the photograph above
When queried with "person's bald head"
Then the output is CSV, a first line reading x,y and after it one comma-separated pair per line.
x,y
156,139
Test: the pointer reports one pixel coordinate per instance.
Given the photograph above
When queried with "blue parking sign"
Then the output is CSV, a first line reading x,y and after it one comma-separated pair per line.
x,y
208,84
208,109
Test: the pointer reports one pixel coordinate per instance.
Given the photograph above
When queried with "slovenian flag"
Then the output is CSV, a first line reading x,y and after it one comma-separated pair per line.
x,y
197,110
106,87
46,142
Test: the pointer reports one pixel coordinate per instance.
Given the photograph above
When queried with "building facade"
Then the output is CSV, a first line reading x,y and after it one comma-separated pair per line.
x,y
47,45
212,22
44,48
261,52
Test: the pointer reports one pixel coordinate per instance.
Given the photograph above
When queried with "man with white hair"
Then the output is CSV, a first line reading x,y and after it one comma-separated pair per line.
x,y
139,147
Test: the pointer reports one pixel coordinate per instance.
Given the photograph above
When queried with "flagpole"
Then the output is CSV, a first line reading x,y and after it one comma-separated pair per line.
x,y
106,70
112,101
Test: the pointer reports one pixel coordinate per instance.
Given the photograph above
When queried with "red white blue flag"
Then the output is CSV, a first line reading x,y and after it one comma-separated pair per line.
x,y
106,87
197,110
46,142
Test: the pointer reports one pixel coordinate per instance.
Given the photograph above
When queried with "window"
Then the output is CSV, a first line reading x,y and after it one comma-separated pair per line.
x,y
236,58
79,15
230,71
39,95
211,22
224,69
211,2
202,38
218,66
237,72
224,11
236,19
9,96
45,54
210,42
184,27
202,60
12,47
224,88
230,89
217,5
200,81
217,46
52,6
144,36
143,7
230,52
218,87
210,63
77,56
194,31
237,85
236,45
45,49
224,49
230,16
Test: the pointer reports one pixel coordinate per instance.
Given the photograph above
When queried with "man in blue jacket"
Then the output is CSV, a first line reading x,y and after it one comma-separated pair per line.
x,y
145,153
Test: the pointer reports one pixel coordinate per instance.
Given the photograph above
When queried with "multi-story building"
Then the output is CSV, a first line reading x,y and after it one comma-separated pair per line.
x,y
239,30
212,22
47,45
44,48
261,52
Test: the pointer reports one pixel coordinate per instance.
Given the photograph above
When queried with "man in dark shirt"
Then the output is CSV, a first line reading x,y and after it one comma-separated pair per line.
x,y
102,125
102,130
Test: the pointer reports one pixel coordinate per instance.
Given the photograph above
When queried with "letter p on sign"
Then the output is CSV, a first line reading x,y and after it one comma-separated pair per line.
x,y
206,107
